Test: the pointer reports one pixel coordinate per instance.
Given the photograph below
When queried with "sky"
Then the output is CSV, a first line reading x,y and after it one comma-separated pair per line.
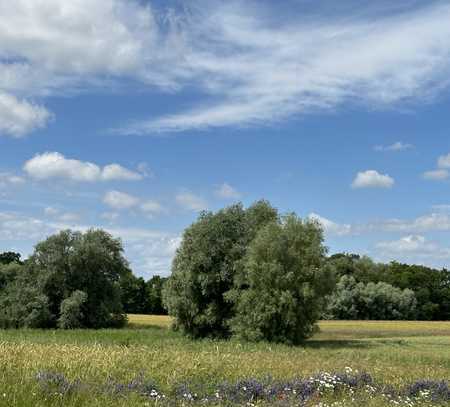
x,y
134,116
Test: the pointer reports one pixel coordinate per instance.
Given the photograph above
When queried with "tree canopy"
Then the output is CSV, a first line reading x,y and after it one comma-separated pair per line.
x,y
284,284
89,264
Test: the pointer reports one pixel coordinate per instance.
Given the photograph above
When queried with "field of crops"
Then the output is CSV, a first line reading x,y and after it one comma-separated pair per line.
x,y
347,363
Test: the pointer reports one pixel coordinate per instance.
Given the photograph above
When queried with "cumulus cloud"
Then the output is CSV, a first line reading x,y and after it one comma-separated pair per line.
x,y
372,179
55,165
52,47
444,161
439,220
120,200
19,117
56,214
442,172
436,175
149,251
226,191
330,227
191,202
117,172
8,179
397,146
414,249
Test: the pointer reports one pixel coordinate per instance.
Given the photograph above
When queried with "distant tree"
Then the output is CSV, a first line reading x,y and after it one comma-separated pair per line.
x,y
154,289
65,263
287,279
431,287
205,265
10,257
8,273
134,294
374,301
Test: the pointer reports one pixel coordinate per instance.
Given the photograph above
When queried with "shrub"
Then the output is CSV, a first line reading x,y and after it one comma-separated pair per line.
x,y
380,301
71,315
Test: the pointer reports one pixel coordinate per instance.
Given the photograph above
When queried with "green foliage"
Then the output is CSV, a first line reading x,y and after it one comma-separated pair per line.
x,y
60,266
205,266
24,305
8,273
431,287
155,300
9,257
374,301
287,282
134,294
71,315
140,297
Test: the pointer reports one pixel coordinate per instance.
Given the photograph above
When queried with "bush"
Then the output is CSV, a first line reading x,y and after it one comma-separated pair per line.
x,y
285,281
71,315
380,301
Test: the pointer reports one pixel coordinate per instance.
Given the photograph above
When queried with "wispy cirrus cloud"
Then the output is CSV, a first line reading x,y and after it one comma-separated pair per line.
x,y
246,69
397,146
257,73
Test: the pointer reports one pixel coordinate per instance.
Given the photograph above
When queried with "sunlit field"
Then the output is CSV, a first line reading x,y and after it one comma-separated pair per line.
x,y
123,367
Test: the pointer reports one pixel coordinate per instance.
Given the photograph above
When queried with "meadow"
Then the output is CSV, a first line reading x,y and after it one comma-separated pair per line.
x,y
347,363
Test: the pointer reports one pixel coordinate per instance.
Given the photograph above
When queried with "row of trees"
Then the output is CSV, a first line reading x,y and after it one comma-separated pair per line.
x,y
248,272
430,288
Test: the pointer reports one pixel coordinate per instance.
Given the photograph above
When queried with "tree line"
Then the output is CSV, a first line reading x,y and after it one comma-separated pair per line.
x,y
247,272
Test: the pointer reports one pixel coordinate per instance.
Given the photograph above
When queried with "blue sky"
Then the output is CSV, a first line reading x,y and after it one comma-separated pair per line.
x,y
134,116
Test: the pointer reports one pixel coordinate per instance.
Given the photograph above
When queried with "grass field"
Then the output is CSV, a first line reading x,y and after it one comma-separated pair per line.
x,y
112,367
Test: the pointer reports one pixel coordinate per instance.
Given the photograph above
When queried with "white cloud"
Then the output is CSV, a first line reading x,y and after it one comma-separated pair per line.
x,y
149,251
444,161
397,146
53,46
117,172
190,201
431,222
151,207
67,217
226,191
259,72
330,227
414,249
436,175
250,70
120,200
372,179
8,179
55,165
19,117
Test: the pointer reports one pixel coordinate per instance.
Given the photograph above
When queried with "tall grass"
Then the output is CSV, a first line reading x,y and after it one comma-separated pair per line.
x,y
394,353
